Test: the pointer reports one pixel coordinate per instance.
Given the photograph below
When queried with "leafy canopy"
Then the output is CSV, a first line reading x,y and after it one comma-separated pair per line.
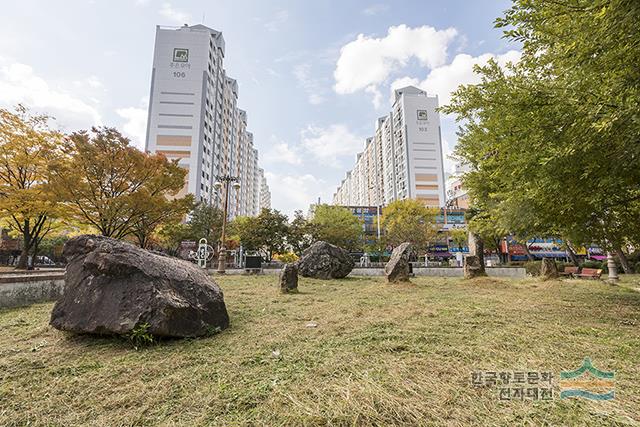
x,y
409,220
338,226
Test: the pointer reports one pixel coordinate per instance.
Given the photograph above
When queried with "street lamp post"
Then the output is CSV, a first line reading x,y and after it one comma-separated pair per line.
x,y
224,181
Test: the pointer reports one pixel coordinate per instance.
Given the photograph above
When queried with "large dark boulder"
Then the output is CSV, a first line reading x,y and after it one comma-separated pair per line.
x,y
398,269
323,260
112,287
289,278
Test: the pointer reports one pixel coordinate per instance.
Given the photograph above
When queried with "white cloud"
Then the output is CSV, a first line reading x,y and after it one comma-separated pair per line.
x,y
135,125
377,95
302,73
278,19
316,99
444,80
293,191
280,152
91,82
375,9
326,145
369,61
174,15
20,84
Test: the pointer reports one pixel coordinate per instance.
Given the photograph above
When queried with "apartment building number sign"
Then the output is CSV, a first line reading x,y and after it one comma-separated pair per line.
x,y
422,117
180,62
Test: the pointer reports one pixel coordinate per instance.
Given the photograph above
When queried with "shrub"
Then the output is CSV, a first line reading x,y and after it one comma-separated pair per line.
x,y
532,267
593,264
140,336
286,258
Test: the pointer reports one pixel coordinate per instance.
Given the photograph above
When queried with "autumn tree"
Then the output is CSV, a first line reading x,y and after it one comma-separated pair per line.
x,y
113,187
158,212
27,204
409,220
338,226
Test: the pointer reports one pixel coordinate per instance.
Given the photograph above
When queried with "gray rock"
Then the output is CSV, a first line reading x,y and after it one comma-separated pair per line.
x,y
473,267
323,260
289,279
397,269
112,287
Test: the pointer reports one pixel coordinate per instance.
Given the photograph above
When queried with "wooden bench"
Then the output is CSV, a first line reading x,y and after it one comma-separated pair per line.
x,y
589,273
570,271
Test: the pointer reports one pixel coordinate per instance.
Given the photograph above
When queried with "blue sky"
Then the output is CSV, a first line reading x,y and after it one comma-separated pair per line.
x,y
313,75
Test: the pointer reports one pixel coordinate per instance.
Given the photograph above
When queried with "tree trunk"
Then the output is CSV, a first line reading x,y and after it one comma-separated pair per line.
x,y
480,253
496,244
26,245
22,261
527,251
624,261
35,255
548,269
572,254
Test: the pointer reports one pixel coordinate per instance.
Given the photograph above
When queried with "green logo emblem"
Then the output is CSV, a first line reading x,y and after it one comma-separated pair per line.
x,y
180,55
587,382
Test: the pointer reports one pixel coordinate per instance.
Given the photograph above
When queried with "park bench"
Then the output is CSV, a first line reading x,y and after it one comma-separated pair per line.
x,y
570,271
589,273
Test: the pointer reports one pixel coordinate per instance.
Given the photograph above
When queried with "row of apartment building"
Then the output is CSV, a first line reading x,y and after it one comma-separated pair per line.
x,y
402,160
194,117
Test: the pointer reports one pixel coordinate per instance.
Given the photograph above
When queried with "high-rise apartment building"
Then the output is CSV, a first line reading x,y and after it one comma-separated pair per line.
x,y
265,194
403,159
194,116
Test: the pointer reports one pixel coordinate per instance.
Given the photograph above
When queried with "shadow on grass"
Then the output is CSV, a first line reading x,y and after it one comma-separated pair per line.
x,y
73,340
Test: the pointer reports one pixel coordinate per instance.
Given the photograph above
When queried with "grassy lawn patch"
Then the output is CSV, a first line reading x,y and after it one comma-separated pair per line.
x,y
378,355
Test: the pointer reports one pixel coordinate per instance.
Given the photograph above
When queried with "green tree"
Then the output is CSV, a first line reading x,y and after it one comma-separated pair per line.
x,y
205,222
300,233
459,237
552,141
338,226
173,234
266,233
409,220
27,203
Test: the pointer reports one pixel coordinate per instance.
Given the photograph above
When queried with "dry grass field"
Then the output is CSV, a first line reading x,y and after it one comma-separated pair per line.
x,y
378,355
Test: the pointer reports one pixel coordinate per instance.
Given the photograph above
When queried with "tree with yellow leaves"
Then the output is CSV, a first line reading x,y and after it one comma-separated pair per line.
x,y
409,220
27,204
